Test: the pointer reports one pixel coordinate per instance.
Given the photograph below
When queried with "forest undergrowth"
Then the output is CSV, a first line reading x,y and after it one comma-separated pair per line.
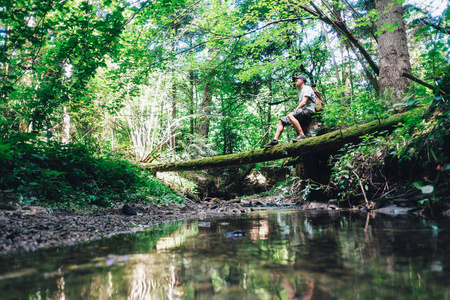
x,y
72,177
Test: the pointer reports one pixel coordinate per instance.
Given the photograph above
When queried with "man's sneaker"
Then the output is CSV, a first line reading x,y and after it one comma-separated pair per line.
x,y
299,138
272,143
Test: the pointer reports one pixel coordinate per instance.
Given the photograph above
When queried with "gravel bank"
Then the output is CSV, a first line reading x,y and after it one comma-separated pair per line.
x,y
30,228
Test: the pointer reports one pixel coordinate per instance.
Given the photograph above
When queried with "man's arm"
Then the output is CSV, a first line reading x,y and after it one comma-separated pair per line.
x,y
303,102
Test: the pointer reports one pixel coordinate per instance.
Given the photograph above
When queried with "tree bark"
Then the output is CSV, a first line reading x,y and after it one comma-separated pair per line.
x,y
327,143
418,80
203,122
393,51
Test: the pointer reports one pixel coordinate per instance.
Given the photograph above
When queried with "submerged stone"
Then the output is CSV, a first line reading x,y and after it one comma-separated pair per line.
x,y
236,233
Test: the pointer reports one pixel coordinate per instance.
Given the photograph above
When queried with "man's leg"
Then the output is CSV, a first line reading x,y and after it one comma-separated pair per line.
x,y
280,129
296,124
274,142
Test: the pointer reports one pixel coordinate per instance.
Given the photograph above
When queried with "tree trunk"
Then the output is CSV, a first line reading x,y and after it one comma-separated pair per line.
x,y
173,142
346,72
203,122
327,143
65,136
266,125
191,101
393,51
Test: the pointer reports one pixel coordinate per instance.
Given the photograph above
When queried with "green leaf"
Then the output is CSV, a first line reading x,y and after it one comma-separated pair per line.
x,y
418,185
422,202
434,155
5,156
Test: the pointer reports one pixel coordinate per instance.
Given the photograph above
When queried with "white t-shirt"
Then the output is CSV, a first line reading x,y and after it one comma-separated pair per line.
x,y
308,91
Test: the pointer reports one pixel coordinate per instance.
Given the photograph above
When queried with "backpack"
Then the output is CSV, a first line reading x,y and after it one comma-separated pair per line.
x,y
320,104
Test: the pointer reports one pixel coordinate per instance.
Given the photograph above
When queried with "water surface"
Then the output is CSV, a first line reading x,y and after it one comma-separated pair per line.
x,y
284,254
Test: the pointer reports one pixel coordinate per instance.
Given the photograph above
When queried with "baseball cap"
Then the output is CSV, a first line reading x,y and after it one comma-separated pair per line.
x,y
301,77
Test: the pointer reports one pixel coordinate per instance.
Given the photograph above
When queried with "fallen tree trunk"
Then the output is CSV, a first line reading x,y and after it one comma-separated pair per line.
x,y
327,143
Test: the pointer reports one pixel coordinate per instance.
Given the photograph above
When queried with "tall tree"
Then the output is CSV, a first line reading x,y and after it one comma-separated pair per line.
x,y
393,50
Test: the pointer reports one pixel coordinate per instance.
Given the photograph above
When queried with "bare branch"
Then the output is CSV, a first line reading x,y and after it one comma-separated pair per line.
x,y
419,81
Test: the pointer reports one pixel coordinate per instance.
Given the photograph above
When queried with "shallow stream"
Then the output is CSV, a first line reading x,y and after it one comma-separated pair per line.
x,y
279,254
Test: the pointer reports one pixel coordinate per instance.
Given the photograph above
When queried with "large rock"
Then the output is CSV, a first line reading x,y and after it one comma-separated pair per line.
x,y
128,210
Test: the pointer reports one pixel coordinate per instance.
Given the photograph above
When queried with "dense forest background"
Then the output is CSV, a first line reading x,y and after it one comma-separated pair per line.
x,y
90,89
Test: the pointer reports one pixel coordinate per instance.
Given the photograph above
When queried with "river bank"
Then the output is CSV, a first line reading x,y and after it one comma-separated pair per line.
x,y
29,228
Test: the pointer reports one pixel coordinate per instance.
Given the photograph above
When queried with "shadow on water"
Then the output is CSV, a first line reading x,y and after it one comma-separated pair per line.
x,y
280,254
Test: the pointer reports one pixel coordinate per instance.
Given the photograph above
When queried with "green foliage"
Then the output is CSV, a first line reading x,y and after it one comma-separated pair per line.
x,y
421,141
288,187
387,28
70,176
427,190
52,49
430,44
364,107
294,186
356,166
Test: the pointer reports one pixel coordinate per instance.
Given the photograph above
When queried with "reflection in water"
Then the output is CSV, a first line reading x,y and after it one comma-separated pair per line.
x,y
259,229
283,255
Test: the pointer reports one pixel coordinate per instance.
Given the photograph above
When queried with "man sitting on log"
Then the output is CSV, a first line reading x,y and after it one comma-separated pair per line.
x,y
304,110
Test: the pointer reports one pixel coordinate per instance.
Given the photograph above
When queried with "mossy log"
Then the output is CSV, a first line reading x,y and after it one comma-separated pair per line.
x,y
327,143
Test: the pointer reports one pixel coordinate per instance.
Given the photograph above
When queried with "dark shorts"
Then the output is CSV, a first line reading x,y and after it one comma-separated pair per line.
x,y
300,114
